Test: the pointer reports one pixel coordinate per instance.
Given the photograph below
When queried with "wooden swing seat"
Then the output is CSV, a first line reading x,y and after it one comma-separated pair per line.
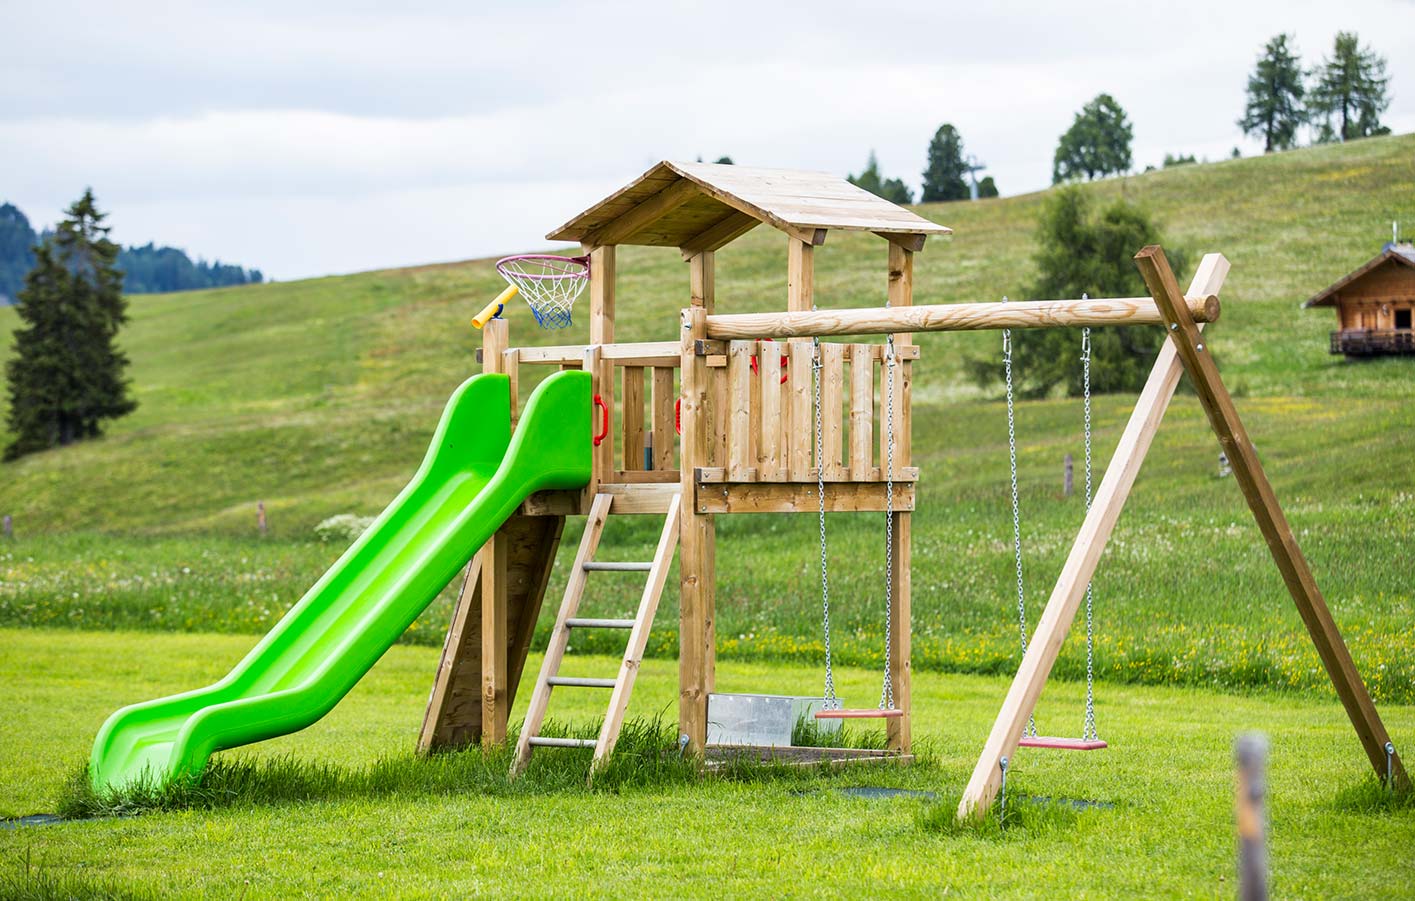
x,y
859,713
1061,744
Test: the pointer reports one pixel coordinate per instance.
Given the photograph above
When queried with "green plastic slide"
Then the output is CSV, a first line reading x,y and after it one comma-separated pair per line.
x,y
474,476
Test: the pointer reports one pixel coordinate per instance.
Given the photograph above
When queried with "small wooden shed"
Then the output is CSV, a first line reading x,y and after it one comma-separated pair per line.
x,y
1375,305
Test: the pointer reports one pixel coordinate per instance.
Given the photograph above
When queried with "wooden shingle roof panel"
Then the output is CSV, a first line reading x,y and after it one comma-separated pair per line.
x,y
652,209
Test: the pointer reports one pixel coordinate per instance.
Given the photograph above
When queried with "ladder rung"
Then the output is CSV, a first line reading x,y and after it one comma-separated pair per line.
x,y
618,567
538,741
583,623
580,682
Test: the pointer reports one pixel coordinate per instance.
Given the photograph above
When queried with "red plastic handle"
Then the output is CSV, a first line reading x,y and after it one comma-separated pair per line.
x,y
678,416
785,361
604,420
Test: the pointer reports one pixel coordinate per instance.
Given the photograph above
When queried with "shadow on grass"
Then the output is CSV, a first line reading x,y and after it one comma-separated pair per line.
x,y
1371,795
645,757
1023,817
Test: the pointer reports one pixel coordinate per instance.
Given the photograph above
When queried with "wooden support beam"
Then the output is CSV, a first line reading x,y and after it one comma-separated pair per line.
x,y
1262,500
642,353
602,278
1080,566
702,280
721,233
697,552
958,317
620,229
905,241
800,497
800,277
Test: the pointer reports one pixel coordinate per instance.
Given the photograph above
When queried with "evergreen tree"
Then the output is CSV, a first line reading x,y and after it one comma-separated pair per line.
x,y
1274,109
1350,93
987,187
17,241
1096,144
1079,253
66,376
944,177
891,189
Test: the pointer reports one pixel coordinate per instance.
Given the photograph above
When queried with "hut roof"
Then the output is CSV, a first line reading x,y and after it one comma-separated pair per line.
x,y
702,206
1400,254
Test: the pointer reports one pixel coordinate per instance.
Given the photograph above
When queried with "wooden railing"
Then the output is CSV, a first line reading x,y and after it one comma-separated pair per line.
x,y
1364,342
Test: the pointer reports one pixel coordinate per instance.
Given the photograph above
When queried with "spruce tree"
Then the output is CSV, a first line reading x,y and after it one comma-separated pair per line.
x,y
891,189
944,177
1274,109
66,374
1350,93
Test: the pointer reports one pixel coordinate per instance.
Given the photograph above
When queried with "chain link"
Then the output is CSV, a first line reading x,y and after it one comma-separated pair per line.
x,y
886,698
1016,513
832,702
1088,731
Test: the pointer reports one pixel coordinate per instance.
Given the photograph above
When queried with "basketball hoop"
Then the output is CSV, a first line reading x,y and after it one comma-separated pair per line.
x,y
550,284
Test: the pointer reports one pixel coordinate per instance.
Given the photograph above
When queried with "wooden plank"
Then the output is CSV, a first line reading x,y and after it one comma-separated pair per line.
x,y
511,365
632,416
832,409
697,539
1262,500
801,438
639,477
715,474
621,229
862,400
640,353
955,317
628,498
739,408
799,497
454,712
533,542
770,461
602,278
560,635
639,635
662,403
721,233
1077,572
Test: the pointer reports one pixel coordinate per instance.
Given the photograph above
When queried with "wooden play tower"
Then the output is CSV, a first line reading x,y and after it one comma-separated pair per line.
x,y
740,388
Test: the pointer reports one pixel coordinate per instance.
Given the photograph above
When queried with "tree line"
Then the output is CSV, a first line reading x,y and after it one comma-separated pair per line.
x,y
146,269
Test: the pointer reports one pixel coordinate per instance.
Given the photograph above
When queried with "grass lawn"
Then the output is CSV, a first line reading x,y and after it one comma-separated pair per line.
x,y
1168,775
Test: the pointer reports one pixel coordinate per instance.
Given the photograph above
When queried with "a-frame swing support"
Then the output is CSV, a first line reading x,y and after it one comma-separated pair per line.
x,y
1184,352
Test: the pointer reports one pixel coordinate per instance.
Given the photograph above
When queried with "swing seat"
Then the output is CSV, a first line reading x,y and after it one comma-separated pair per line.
x,y
1061,744
859,713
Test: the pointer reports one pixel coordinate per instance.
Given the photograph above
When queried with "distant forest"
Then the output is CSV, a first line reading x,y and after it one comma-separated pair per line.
x,y
148,269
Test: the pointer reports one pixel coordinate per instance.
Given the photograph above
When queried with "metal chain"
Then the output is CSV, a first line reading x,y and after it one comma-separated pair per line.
x,y
831,701
1088,731
1016,513
886,698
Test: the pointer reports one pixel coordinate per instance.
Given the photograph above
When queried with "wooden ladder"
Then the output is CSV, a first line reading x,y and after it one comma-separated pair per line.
x,y
622,686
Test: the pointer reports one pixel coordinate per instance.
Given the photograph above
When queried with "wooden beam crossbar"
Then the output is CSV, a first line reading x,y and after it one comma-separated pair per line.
x,y
955,317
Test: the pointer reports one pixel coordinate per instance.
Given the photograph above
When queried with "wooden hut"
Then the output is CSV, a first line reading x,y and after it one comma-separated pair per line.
x,y
1375,305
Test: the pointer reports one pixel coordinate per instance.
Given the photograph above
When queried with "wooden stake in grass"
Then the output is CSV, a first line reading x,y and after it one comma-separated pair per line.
x,y
1251,751
259,516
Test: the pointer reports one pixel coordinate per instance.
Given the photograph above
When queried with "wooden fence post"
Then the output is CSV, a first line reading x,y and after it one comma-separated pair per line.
x,y
1068,468
8,526
259,516
1251,752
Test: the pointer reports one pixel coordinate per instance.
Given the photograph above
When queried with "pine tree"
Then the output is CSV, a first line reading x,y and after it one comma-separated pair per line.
x,y
943,179
1350,93
987,187
892,189
1081,253
1274,109
66,376
1096,144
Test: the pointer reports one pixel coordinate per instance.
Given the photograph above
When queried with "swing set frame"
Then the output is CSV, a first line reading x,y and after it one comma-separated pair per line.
x,y
746,443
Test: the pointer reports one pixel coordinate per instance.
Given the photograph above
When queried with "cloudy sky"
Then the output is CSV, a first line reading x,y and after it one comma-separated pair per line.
x,y
320,138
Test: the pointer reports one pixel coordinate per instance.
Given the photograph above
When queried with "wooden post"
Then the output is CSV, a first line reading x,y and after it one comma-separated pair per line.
x,y
698,545
601,295
800,275
1080,566
7,525
1067,475
1251,752
900,294
260,523
702,280
1258,492
495,642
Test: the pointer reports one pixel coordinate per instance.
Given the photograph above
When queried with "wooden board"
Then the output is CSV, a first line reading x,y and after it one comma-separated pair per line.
x,y
791,497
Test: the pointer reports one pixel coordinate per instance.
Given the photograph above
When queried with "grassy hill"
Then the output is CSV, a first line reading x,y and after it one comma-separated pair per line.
x,y
318,397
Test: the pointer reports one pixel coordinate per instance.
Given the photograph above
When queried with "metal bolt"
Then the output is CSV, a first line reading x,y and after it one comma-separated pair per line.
x,y
1200,347
1172,326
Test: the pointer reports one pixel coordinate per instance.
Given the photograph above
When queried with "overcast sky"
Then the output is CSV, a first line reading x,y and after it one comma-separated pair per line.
x,y
307,139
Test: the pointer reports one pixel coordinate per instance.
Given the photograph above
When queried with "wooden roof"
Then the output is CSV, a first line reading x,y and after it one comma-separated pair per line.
x,y
1401,254
702,206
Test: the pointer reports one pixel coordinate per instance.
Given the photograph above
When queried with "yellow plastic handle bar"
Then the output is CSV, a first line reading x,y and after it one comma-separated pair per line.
x,y
489,312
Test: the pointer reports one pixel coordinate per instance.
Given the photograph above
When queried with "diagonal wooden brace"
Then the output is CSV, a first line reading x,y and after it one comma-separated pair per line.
x,y
1248,473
